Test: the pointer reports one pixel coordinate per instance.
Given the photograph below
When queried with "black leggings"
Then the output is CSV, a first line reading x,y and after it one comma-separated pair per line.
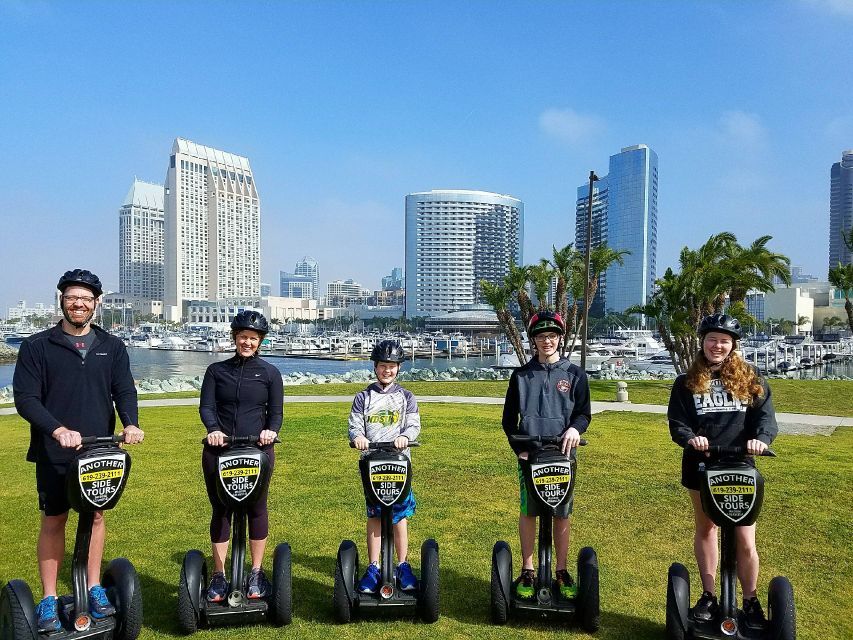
x,y
220,518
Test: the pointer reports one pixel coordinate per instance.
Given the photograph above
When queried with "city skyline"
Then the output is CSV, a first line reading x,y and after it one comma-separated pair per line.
x,y
347,113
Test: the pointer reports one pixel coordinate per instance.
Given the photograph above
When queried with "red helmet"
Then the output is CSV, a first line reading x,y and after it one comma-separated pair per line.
x,y
546,321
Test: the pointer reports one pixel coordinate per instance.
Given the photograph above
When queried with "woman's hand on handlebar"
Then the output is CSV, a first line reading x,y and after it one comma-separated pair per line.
x,y
755,447
571,439
266,437
216,439
361,443
699,443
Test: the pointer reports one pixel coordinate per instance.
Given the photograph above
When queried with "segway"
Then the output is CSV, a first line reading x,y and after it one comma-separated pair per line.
x,y
732,492
550,479
386,475
94,481
244,470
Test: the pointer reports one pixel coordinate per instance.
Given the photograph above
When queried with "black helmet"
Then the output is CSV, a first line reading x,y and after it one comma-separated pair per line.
x,y
388,351
250,320
545,321
80,278
721,322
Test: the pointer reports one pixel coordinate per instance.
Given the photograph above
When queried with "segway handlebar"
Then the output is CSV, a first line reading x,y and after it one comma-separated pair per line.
x,y
385,445
241,440
113,439
718,450
544,439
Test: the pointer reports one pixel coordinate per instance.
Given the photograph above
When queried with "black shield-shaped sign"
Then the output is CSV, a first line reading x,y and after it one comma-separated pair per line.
x,y
240,474
551,481
733,492
387,480
100,478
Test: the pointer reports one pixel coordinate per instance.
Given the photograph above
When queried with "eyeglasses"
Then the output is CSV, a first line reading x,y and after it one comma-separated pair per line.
x,y
75,299
549,337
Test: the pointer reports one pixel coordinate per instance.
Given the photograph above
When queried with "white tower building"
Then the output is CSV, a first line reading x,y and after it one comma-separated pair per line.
x,y
140,247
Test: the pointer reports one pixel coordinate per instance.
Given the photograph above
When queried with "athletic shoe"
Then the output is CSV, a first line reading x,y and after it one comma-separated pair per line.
x,y
370,581
406,580
754,614
524,583
218,588
706,607
48,615
99,605
568,588
258,586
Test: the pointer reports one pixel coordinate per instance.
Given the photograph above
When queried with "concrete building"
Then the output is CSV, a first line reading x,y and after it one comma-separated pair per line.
x,y
291,285
625,209
455,239
131,307
309,268
212,227
840,209
140,246
345,293
274,308
21,311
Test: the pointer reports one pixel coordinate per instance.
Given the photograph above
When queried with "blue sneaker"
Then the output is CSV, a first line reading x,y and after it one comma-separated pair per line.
x,y
370,581
406,580
48,615
99,605
218,588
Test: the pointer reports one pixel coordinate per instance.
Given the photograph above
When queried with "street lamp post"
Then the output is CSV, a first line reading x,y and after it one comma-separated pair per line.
x,y
586,302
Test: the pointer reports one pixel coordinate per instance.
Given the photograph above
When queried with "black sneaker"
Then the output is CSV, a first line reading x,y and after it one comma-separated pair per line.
x,y
706,607
524,584
754,614
218,588
258,586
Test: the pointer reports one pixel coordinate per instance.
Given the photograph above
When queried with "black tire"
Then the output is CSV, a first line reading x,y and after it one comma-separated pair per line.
x,y
677,601
346,571
17,612
428,596
122,584
588,602
781,610
191,591
282,589
501,563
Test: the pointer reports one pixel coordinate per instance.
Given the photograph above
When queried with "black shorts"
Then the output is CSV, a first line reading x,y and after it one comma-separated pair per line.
x,y
50,484
690,461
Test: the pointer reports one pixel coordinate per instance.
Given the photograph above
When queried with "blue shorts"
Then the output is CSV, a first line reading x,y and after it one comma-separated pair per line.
x,y
404,509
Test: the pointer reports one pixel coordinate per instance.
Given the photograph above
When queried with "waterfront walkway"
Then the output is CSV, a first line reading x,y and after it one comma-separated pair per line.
x,y
789,423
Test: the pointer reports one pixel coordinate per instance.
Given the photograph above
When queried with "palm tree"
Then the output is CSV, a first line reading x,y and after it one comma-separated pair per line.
x,y
841,277
516,282
540,277
753,267
564,263
499,296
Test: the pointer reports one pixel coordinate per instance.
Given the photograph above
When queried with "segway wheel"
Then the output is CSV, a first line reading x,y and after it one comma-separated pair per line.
x,y
346,570
122,584
17,612
428,598
191,591
677,601
501,566
589,605
282,590
780,604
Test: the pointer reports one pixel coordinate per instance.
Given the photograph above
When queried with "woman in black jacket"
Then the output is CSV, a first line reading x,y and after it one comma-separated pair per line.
x,y
240,396
721,400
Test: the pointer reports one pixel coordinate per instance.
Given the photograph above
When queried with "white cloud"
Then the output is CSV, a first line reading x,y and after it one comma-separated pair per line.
x,y
569,125
742,129
836,7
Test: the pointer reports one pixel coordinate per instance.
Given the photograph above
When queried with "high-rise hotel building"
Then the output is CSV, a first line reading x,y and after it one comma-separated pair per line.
x,y
140,247
625,216
840,209
309,268
212,227
455,239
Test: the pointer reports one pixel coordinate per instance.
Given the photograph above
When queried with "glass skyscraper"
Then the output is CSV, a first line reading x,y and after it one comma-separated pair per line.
x,y
309,268
625,213
840,209
140,248
454,239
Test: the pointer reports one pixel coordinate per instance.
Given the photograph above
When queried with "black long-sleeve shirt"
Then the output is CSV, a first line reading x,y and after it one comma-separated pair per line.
x,y
241,397
546,399
54,386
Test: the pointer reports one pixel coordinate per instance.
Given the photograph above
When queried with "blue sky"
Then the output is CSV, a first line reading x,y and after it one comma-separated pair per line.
x,y
344,107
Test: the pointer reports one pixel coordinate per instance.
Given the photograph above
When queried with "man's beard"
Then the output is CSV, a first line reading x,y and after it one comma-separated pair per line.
x,y
76,324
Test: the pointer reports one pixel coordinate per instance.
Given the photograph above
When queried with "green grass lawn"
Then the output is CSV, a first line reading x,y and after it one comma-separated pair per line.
x,y
629,506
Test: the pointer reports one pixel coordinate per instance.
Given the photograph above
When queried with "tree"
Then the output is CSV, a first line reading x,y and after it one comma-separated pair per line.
x,y
540,277
499,296
753,267
516,282
841,277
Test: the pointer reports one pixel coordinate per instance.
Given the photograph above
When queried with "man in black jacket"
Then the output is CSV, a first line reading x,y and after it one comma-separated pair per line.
x,y
66,383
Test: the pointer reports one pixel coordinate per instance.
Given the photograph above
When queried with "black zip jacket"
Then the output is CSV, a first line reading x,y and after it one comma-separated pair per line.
x,y
55,387
715,414
242,397
546,399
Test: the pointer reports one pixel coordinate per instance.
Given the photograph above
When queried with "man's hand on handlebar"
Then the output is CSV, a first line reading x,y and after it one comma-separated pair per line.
x,y
755,447
216,439
67,438
571,439
266,437
132,434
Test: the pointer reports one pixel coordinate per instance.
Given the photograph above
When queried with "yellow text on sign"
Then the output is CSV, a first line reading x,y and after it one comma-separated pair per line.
x,y
388,477
246,471
102,475
551,479
732,489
